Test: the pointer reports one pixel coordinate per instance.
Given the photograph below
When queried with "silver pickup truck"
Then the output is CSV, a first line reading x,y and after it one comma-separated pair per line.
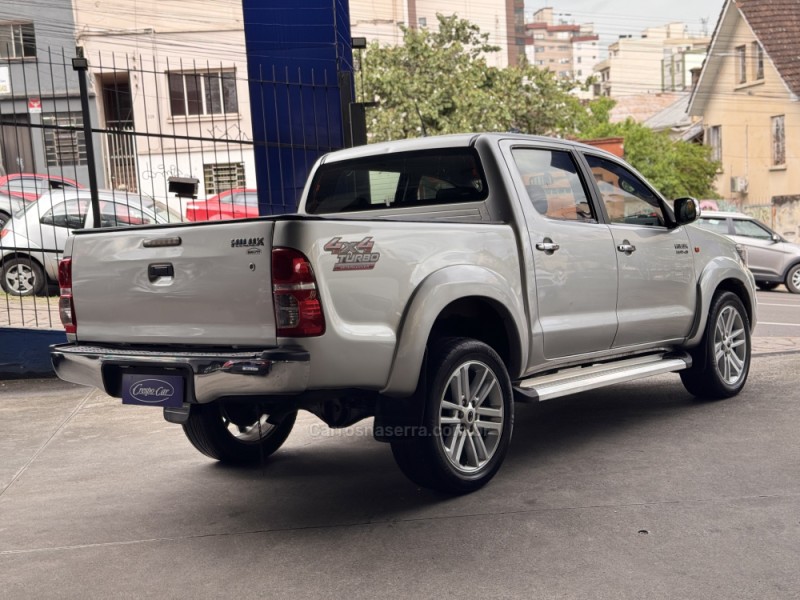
x,y
427,283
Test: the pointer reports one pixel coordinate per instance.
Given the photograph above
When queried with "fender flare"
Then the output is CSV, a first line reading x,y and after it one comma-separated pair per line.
x,y
430,298
718,270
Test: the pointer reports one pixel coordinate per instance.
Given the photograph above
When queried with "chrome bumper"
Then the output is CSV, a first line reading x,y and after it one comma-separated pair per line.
x,y
210,375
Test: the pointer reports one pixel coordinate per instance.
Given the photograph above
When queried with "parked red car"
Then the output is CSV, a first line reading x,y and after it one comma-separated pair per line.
x,y
238,203
29,186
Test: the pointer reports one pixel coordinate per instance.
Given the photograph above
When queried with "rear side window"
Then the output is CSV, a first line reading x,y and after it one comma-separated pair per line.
x,y
441,176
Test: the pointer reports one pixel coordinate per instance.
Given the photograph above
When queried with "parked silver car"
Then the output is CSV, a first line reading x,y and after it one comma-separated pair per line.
x,y
772,259
33,240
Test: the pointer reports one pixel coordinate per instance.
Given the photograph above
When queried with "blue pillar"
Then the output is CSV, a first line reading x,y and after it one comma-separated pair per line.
x,y
300,68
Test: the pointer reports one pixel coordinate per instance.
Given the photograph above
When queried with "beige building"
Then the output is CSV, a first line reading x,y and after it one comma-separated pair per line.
x,y
503,20
169,68
635,64
748,95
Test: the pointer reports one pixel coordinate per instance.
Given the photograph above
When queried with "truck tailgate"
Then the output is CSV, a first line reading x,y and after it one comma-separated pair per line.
x,y
205,284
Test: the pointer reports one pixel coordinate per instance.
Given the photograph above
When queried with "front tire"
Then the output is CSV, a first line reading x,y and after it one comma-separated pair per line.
x,y
793,279
467,422
767,286
220,431
22,277
727,348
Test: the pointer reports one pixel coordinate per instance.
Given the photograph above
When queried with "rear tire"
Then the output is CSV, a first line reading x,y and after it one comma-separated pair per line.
x,y
212,432
793,279
467,422
727,348
767,286
22,277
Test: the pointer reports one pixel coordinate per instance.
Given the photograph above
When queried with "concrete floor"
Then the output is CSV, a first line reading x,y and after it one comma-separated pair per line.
x,y
635,491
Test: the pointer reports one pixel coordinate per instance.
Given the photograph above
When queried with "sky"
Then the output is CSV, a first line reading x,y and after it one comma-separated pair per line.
x,y
613,18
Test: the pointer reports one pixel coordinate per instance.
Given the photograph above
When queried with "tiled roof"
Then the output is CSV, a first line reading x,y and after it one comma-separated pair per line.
x,y
641,107
776,24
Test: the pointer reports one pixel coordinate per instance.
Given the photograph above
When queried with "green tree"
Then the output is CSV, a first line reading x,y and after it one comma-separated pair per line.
x,y
676,168
439,82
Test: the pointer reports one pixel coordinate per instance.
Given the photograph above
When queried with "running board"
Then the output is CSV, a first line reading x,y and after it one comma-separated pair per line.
x,y
580,379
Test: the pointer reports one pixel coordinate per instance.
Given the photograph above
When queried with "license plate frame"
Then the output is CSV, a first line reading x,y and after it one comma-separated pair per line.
x,y
153,389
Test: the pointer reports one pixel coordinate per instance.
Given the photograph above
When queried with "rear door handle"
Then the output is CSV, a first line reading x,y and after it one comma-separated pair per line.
x,y
626,247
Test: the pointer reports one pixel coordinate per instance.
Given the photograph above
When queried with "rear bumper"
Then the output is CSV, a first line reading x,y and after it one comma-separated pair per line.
x,y
210,374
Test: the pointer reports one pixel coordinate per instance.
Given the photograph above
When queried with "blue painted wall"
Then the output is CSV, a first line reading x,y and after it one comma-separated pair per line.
x,y
25,352
297,53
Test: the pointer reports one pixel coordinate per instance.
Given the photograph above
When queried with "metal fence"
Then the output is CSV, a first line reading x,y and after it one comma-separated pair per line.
x,y
142,122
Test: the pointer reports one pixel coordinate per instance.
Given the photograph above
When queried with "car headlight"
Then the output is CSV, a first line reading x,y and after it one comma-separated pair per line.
x,y
742,252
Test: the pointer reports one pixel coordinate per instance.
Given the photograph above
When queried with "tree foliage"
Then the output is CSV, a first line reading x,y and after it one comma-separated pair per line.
x,y
439,82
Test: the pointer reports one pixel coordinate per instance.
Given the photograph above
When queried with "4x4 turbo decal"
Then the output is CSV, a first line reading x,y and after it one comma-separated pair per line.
x,y
353,256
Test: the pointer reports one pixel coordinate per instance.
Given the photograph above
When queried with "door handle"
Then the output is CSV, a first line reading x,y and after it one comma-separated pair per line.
x,y
547,246
157,271
626,247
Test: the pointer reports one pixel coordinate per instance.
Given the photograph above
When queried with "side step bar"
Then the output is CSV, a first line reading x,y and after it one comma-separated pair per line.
x,y
580,379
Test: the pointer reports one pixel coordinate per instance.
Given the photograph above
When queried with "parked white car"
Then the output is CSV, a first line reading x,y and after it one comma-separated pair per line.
x,y
33,240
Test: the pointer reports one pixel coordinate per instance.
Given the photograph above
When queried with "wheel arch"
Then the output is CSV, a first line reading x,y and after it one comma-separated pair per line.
x,y
465,301
724,274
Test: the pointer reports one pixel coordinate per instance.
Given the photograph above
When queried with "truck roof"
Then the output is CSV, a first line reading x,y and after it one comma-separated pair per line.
x,y
448,141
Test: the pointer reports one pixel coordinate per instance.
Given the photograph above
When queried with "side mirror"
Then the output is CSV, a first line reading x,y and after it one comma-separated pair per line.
x,y
686,210
776,238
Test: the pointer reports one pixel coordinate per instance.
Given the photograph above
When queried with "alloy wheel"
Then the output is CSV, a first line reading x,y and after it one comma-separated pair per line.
x,y
730,345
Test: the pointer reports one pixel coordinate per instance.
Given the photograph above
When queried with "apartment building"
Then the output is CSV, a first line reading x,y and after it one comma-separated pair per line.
x,y
567,49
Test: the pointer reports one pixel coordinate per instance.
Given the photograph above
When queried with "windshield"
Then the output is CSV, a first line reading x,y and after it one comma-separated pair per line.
x,y
440,176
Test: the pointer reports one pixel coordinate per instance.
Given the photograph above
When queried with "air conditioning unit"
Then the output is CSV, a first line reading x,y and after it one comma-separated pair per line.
x,y
739,184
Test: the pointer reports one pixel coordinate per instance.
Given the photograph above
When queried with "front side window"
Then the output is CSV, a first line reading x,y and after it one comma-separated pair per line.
x,y
553,184
407,179
113,214
778,141
626,197
202,93
751,229
17,40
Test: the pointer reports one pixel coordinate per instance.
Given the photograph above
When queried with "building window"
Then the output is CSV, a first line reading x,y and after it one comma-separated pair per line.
x,y
223,176
741,64
758,61
64,147
210,93
423,21
715,141
778,141
17,40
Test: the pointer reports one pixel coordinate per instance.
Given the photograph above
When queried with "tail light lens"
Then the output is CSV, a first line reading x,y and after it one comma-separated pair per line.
x,y
298,311
66,307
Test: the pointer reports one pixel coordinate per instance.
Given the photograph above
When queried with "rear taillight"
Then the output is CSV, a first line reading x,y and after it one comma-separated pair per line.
x,y
4,233
298,311
66,308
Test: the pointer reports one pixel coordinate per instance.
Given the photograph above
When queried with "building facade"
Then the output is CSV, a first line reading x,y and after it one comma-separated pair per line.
x,y
748,95
179,83
38,91
636,65
503,20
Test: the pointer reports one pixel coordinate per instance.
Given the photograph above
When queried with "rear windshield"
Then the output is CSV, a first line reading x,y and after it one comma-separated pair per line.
x,y
441,176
